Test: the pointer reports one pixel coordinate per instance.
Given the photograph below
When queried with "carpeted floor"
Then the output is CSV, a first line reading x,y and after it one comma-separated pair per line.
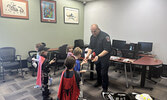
x,y
17,88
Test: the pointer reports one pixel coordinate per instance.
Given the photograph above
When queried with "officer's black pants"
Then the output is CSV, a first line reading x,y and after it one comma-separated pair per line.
x,y
102,73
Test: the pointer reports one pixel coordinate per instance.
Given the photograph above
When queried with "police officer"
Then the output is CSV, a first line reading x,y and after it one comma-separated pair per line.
x,y
100,44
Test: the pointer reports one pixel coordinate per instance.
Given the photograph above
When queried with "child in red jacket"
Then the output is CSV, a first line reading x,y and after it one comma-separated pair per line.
x,y
69,83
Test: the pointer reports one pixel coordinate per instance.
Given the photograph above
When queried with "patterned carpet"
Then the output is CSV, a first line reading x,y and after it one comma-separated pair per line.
x,y
17,88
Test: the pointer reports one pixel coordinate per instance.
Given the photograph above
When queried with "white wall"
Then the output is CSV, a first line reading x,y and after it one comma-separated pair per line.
x,y
130,20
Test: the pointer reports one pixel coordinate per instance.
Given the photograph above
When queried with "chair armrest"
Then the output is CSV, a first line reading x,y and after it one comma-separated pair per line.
x,y
1,60
56,51
18,56
33,51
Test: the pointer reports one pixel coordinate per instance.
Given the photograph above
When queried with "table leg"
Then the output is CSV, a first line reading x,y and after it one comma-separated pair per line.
x,y
91,68
126,78
143,77
131,73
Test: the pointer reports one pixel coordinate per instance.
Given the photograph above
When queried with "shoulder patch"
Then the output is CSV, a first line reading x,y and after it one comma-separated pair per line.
x,y
108,38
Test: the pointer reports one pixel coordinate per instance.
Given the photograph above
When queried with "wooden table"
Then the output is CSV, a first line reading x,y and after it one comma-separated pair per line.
x,y
146,61
145,55
123,60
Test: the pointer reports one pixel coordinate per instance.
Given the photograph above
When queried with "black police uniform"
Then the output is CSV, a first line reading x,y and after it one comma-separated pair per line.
x,y
98,44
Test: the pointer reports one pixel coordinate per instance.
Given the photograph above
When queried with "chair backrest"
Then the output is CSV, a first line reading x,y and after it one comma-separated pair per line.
x,y
164,71
7,54
62,50
79,43
32,54
113,52
127,53
130,50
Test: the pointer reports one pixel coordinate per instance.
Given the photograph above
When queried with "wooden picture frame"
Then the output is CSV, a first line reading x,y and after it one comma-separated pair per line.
x,y
71,15
14,9
48,11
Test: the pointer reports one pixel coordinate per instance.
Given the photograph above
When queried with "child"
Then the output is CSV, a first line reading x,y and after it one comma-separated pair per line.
x,y
77,54
40,47
69,51
37,47
35,60
43,72
69,83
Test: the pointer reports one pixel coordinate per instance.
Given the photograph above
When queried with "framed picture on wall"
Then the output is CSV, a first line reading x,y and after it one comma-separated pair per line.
x,y
14,8
48,11
71,15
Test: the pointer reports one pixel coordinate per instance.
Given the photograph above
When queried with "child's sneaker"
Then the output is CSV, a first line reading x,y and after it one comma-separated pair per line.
x,y
36,86
81,82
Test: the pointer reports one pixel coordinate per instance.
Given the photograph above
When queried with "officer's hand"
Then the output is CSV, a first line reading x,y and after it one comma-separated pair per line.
x,y
82,71
86,58
52,61
83,62
95,59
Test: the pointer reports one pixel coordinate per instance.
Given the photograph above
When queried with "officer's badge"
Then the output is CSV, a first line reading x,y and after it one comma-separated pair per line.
x,y
108,38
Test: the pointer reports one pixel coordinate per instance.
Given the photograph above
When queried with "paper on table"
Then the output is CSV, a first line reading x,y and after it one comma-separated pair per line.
x,y
114,57
126,60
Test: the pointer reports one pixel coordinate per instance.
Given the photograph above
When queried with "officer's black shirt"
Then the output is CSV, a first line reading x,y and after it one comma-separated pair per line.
x,y
100,42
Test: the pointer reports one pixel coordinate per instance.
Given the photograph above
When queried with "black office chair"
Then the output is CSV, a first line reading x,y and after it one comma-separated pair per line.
x,y
31,54
79,43
115,51
127,52
164,72
9,60
61,55
132,52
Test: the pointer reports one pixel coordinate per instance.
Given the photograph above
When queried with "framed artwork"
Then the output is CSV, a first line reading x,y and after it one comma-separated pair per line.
x,y
14,8
71,15
48,11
